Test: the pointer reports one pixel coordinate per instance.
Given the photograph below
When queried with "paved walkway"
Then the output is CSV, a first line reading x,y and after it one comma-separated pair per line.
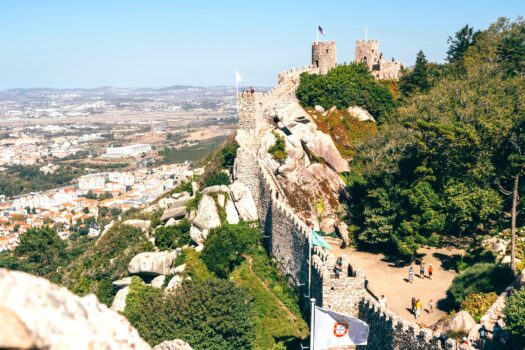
x,y
385,277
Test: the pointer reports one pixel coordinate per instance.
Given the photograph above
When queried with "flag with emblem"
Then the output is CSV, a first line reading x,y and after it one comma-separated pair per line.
x,y
334,329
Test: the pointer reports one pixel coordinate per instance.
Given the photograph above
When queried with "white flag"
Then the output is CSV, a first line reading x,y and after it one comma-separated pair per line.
x,y
238,78
335,329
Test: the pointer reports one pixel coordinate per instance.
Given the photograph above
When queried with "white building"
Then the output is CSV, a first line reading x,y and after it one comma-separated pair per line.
x,y
127,151
92,182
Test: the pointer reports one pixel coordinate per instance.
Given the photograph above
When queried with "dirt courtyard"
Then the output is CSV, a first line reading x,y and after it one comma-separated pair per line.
x,y
385,277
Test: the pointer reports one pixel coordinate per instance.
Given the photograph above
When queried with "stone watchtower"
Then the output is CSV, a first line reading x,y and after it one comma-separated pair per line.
x,y
367,51
323,55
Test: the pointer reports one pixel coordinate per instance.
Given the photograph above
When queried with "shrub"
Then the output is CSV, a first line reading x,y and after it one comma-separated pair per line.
x,y
278,149
479,278
478,304
225,246
175,236
212,314
515,316
216,178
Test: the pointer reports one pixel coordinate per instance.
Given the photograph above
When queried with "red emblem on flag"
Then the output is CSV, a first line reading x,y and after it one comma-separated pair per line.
x,y
340,329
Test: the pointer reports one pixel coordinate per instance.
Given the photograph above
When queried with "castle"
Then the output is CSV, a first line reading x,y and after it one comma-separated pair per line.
x,y
286,235
366,51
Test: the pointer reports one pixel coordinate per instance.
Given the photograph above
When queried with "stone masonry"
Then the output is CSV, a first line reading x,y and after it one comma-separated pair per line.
x,y
368,52
286,235
324,55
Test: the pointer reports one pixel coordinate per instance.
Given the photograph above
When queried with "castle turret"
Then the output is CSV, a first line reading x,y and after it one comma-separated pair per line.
x,y
367,51
324,55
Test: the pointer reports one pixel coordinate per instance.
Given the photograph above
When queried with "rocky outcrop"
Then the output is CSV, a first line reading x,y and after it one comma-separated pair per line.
x,y
158,281
121,283
176,344
207,214
35,313
152,263
459,322
119,302
243,201
174,283
140,224
175,213
232,217
361,114
215,189
197,235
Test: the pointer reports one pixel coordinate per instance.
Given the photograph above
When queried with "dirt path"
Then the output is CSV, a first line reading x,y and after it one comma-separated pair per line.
x,y
385,277
265,286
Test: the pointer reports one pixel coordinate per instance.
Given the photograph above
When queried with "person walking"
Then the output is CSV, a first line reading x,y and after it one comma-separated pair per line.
x,y
430,270
422,270
431,306
382,301
413,308
418,308
411,274
482,336
497,332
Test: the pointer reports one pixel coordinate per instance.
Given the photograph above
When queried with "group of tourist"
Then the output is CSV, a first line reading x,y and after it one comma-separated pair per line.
x,y
416,304
248,92
430,270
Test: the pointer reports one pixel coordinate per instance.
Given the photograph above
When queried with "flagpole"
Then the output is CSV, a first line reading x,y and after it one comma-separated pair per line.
x,y
312,323
310,264
317,34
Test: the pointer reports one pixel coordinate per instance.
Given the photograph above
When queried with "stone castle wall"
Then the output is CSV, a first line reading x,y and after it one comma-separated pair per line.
x,y
368,52
390,332
286,235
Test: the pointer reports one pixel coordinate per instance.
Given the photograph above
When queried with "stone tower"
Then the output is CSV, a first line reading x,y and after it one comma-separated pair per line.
x,y
323,55
367,51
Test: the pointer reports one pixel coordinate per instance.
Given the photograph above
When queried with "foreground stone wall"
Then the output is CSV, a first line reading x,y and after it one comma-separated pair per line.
x,y
390,332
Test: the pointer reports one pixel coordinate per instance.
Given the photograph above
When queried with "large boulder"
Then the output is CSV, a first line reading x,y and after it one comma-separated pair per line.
x,y
459,322
35,313
361,114
152,263
322,146
175,213
232,217
121,283
180,195
176,344
207,214
215,189
158,281
197,235
174,283
119,302
166,202
243,201
140,224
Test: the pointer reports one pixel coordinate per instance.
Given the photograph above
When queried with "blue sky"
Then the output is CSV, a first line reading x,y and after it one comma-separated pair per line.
x,y
133,43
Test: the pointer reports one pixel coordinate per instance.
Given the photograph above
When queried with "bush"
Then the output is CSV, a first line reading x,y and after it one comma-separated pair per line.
x,y
478,304
278,149
515,316
225,245
175,236
479,278
215,178
212,314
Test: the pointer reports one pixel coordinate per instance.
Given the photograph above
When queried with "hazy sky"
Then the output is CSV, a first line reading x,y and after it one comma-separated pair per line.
x,y
90,43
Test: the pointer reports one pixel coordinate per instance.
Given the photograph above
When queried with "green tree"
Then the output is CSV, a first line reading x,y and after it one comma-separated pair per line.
x,y
462,40
225,246
175,236
41,249
511,50
416,80
515,316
